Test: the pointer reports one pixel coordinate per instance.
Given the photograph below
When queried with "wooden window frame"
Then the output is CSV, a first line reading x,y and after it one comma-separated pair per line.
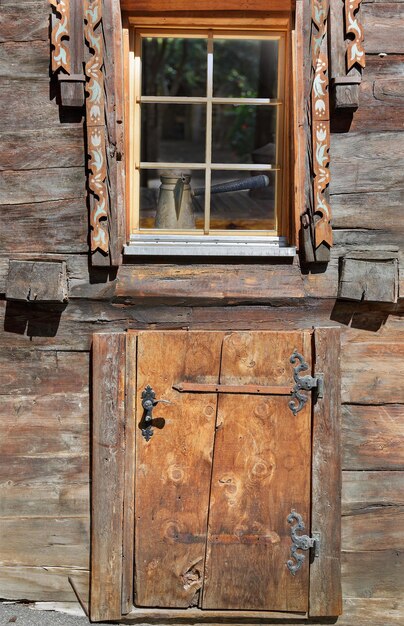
x,y
217,243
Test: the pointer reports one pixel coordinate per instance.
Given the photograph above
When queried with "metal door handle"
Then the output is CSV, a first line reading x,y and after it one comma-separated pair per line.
x,y
149,401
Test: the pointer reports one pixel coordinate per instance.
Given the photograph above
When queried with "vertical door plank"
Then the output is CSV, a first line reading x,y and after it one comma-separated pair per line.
x,y
129,481
261,471
325,571
109,361
173,469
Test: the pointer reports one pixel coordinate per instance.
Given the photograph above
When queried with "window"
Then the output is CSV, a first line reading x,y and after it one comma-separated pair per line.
x,y
208,135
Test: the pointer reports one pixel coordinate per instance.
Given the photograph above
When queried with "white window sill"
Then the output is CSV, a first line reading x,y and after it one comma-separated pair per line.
x,y
194,245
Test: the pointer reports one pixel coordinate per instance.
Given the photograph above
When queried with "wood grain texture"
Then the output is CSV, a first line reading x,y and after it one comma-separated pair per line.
x,y
373,437
37,281
24,186
58,226
325,571
383,24
370,165
366,491
374,529
28,25
199,282
33,149
14,59
261,472
41,584
63,500
109,375
173,469
56,541
373,574
168,6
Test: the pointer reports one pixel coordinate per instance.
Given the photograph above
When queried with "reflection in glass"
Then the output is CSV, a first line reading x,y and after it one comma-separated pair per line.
x,y
173,133
245,68
173,66
252,209
166,199
243,134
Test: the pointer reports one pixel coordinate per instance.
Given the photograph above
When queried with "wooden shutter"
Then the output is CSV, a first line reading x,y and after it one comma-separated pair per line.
x,y
212,476
312,131
105,130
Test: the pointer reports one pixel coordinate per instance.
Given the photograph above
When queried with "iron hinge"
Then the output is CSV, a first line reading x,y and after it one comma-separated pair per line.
x,y
301,542
304,383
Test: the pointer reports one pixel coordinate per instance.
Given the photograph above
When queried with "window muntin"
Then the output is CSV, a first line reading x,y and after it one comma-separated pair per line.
x,y
211,130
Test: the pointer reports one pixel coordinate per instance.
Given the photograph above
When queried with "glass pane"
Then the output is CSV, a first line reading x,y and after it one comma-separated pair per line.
x,y
243,134
173,133
173,66
166,201
245,68
243,209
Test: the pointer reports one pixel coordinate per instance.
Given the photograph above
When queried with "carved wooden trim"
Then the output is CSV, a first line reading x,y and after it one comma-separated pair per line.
x,y
95,118
59,34
320,130
355,53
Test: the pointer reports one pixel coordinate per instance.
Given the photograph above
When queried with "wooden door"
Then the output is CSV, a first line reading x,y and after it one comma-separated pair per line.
x,y
221,473
193,521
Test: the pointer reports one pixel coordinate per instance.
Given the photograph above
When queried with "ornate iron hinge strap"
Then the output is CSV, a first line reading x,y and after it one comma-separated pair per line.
x,y
303,383
300,542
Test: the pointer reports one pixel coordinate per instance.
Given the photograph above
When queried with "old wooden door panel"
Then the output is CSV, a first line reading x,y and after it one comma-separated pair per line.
x,y
261,471
173,469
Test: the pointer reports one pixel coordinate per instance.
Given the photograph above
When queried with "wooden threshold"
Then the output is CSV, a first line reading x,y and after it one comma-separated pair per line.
x,y
194,616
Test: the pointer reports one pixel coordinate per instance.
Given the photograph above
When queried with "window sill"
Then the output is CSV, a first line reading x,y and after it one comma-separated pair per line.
x,y
194,245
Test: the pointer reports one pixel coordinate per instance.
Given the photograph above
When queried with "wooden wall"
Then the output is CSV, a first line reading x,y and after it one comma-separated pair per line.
x,y
45,350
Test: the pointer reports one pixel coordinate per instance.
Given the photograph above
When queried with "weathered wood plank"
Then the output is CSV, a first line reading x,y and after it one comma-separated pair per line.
x,y
374,529
370,276
168,6
56,424
256,450
325,571
39,149
50,500
24,59
37,281
373,574
171,506
363,210
25,186
366,162
365,491
373,437
227,282
30,24
33,470
57,226
56,541
383,24
381,98
41,584
32,373
372,372
30,104
108,461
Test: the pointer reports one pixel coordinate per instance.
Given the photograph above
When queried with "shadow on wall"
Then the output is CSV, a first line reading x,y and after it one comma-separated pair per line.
x,y
362,315
33,320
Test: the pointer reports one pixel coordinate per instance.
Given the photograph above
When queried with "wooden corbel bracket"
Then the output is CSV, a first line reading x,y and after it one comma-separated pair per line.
x,y
347,54
67,40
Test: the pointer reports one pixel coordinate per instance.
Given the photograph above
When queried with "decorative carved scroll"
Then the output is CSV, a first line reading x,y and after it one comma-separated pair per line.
x,y
317,220
96,140
60,32
355,53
